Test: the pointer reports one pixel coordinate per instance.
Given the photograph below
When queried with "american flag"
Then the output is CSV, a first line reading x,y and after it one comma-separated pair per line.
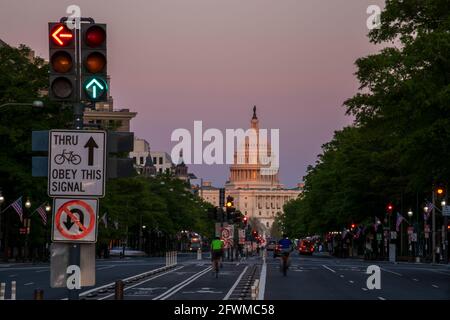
x,y
42,213
427,213
399,221
17,205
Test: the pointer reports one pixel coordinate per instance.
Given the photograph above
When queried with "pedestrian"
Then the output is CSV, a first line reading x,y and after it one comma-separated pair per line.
x,y
368,251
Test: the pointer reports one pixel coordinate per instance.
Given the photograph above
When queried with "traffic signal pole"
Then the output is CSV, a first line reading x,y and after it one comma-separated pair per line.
x,y
433,213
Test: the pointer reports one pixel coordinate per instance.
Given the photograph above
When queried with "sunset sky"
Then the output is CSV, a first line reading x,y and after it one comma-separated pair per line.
x,y
176,61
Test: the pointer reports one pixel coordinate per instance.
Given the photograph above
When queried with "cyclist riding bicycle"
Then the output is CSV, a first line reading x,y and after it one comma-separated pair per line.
x,y
285,247
216,253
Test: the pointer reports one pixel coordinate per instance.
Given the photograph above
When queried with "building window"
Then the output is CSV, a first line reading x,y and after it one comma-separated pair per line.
x,y
98,121
91,121
267,224
135,160
154,160
246,204
260,213
160,160
142,160
160,170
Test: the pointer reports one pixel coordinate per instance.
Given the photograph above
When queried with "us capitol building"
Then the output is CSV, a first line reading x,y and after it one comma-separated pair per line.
x,y
256,195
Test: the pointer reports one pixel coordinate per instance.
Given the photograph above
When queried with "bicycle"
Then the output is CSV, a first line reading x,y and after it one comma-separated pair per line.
x,y
216,263
69,156
284,262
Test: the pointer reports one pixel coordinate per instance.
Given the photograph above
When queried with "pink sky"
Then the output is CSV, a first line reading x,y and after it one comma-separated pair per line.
x,y
176,61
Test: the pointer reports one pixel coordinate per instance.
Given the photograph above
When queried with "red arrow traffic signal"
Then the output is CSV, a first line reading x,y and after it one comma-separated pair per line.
x,y
61,35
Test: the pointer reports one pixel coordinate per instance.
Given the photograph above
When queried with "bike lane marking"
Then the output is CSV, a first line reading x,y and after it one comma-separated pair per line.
x,y
235,284
181,285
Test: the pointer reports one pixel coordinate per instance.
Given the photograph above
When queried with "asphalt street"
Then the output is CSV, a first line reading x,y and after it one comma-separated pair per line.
x,y
309,277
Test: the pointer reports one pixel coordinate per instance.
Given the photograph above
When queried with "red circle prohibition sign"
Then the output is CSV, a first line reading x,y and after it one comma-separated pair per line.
x,y
66,210
225,233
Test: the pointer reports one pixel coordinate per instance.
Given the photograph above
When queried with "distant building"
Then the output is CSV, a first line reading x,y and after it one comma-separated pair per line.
x,y
142,158
255,195
105,117
162,161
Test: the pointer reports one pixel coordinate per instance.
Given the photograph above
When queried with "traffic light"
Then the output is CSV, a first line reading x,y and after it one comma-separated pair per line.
x,y
389,208
94,85
221,197
62,62
229,205
245,221
352,226
237,217
440,193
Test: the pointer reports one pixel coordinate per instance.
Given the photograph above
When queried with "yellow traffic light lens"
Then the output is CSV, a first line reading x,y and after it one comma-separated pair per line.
x,y
229,204
61,62
440,191
95,62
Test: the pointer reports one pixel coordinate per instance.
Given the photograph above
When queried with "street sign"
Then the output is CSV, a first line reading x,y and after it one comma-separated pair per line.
x,y
446,211
59,264
74,220
226,235
77,163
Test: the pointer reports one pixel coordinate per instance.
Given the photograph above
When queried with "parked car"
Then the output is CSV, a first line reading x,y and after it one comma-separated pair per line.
x,y
129,252
305,247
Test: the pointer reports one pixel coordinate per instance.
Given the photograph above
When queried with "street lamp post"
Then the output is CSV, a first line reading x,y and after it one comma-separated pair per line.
x,y
36,104
27,225
2,199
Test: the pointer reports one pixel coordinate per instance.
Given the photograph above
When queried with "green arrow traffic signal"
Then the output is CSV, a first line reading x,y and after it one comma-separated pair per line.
x,y
95,88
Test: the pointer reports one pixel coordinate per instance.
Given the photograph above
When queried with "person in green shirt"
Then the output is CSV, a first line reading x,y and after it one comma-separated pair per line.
x,y
216,253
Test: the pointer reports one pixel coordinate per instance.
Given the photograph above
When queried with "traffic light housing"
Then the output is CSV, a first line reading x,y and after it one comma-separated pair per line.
x,y
221,197
245,220
230,209
62,86
94,84
440,192
390,208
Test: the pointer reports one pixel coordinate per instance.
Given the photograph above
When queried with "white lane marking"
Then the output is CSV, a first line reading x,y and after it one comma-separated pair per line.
x,y
415,279
137,284
181,285
351,281
396,273
381,298
364,289
104,268
436,271
262,281
235,284
341,276
29,283
12,275
42,270
433,285
328,268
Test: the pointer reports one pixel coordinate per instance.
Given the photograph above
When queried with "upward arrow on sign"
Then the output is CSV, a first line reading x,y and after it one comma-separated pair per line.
x,y
91,144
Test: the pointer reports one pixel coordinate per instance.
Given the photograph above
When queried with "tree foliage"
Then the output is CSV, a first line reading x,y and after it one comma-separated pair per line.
x,y
397,147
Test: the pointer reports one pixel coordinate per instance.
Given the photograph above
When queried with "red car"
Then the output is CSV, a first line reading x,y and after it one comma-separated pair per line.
x,y
305,247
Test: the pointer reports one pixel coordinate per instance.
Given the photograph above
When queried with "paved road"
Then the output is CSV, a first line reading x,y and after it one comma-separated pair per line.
x,y
308,278
337,279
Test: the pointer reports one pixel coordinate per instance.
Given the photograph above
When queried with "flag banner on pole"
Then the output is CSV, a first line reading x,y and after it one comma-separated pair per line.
x,y
43,214
17,206
105,220
399,221
116,224
427,213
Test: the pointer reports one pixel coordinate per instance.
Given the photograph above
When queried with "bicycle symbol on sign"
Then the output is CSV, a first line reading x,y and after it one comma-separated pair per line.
x,y
68,156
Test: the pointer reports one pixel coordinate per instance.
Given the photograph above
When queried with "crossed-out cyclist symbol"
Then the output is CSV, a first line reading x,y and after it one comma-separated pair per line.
x,y
69,156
